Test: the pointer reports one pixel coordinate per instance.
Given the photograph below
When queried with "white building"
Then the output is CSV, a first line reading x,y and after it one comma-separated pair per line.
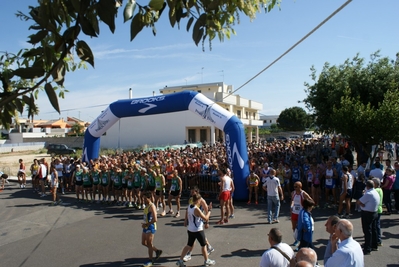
x,y
178,127
268,120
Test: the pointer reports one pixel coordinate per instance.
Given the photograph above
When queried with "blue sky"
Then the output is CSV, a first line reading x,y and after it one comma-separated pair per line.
x,y
171,58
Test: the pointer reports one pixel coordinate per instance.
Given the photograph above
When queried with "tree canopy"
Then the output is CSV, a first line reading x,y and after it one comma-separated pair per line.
x,y
58,28
293,119
357,99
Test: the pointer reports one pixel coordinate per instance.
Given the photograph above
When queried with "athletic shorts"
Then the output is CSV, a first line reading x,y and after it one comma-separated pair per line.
x,y
175,193
192,236
79,183
348,193
158,193
330,186
53,184
149,230
151,188
316,185
225,196
294,217
87,186
124,186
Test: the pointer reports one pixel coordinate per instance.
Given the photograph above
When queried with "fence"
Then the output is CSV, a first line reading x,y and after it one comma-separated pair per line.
x,y
16,147
207,184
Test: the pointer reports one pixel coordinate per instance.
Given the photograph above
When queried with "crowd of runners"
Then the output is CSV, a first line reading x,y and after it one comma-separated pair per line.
x,y
321,171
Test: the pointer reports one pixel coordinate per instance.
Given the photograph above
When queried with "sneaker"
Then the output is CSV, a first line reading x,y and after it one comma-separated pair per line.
x,y
63,192
347,216
210,250
249,202
59,201
180,263
177,214
130,205
379,244
231,216
148,264
226,221
187,258
158,254
275,221
43,195
170,212
296,243
209,262
163,213
53,204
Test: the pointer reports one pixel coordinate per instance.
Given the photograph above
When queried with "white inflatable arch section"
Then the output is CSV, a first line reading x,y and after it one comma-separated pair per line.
x,y
208,110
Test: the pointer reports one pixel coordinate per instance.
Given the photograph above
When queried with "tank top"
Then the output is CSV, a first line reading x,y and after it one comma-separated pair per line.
x,y
296,174
175,184
329,175
35,169
297,199
310,177
86,179
227,184
104,178
158,183
350,181
195,224
148,217
79,176
96,177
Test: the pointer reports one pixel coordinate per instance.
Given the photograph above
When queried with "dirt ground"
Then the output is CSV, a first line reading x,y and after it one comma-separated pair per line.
x,y
9,161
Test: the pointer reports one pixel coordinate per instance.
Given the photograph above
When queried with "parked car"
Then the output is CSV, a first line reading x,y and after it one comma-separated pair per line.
x,y
282,138
294,137
59,149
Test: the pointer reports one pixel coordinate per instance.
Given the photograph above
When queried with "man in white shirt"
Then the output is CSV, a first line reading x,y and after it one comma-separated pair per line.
x,y
348,252
273,188
377,172
279,254
369,204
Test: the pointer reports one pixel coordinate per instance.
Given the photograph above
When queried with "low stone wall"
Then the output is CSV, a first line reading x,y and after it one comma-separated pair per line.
x,y
16,147
75,142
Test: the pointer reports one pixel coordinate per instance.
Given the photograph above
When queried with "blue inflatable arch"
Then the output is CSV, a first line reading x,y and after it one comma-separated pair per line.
x,y
235,140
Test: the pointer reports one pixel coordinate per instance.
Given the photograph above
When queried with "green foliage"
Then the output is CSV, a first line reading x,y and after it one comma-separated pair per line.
x,y
293,119
58,25
77,129
357,99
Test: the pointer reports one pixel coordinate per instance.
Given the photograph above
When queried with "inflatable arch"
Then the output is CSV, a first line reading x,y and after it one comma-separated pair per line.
x,y
235,139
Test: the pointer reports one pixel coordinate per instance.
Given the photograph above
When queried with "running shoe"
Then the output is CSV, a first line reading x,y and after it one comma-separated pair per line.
x,y
275,221
59,201
148,264
210,250
209,262
43,195
232,216
170,212
158,254
177,215
53,204
187,258
180,263
296,243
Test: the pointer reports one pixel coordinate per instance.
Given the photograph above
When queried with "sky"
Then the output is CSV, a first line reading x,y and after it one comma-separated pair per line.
x,y
148,63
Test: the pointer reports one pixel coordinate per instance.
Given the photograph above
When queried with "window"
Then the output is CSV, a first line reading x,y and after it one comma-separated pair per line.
x,y
246,114
271,121
191,135
203,135
239,114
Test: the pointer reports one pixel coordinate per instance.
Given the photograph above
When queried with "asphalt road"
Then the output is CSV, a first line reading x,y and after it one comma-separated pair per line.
x,y
77,234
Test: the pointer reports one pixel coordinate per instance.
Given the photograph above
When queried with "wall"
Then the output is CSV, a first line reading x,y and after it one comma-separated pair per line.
x,y
152,130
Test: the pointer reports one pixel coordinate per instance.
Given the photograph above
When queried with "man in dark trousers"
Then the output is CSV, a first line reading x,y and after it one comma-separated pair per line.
x,y
369,205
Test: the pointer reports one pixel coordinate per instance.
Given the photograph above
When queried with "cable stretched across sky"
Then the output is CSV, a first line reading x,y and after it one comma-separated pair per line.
x,y
292,47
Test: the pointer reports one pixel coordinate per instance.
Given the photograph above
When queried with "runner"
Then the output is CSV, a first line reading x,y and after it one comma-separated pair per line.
x,y
22,174
160,190
175,192
149,228
34,170
54,185
226,186
204,208
195,230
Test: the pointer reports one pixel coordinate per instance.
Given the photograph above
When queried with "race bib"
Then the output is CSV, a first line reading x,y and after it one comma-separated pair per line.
x,y
104,180
172,187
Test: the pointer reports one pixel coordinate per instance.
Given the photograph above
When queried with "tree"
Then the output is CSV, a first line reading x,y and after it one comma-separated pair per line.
x,y
58,27
77,129
293,119
357,100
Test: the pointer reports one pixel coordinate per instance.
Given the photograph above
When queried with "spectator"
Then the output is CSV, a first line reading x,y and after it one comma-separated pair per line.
x,y
279,254
369,205
273,188
377,188
330,228
305,225
348,252
305,255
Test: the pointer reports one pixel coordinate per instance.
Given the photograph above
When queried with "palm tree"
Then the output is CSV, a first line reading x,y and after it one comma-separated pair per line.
x,y
77,128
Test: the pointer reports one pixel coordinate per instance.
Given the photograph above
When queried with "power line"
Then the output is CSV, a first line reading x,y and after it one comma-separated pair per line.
x,y
292,47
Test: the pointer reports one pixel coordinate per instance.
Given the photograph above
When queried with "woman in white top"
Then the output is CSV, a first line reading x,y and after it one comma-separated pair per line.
x,y
195,229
